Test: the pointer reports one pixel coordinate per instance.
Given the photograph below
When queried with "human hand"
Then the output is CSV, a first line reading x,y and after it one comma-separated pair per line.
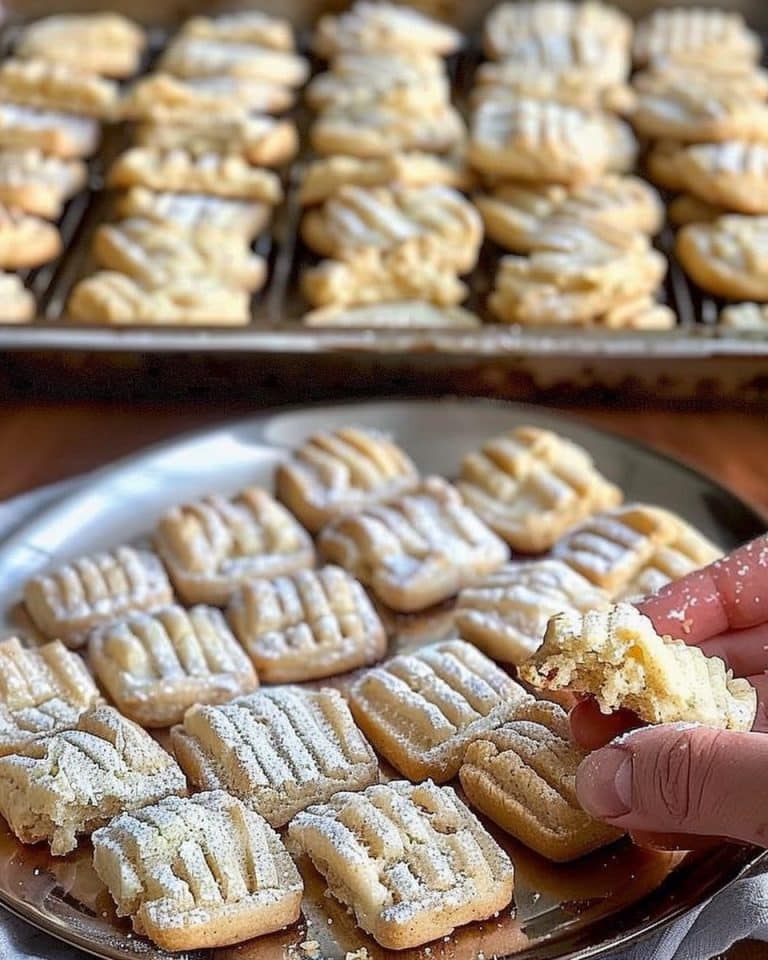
x,y
667,783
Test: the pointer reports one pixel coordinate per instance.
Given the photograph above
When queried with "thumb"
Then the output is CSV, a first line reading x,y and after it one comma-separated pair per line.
x,y
680,779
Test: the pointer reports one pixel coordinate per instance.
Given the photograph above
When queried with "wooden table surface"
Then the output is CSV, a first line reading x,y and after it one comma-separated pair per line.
x,y
44,442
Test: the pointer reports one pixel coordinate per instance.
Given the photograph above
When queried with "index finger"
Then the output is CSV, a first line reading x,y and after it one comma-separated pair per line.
x,y
729,594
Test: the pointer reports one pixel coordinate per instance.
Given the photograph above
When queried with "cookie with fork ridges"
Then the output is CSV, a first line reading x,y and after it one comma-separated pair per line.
x,y
70,600
684,36
383,218
615,655
279,750
55,86
213,545
307,626
524,139
42,691
38,184
571,87
64,135
187,56
103,43
243,26
418,550
183,171
686,550
383,28
506,615
725,257
197,214
399,315
530,486
238,879
514,213
356,76
26,241
420,710
410,861
342,471
154,666
745,316
68,783
523,776
17,305
732,175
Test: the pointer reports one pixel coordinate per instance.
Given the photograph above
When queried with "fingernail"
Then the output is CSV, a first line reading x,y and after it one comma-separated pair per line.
x,y
604,783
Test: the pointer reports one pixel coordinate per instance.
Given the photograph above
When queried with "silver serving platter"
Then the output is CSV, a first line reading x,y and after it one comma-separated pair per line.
x,y
577,910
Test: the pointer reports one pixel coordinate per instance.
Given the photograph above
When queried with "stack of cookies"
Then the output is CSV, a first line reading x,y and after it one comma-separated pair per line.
x,y
197,186
54,90
384,200
555,158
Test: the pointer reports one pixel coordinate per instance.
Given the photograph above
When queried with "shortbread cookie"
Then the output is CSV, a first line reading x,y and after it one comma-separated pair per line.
x,y
155,254
311,625
530,486
155,666
181,171
639,313
26,241
215,544
206,57
686,550
687,209
685,35
238,879
243,26
68,783
416,551
732,175
38,184
726,257
197,214
17,305
570,86
420,710
618,657
523,776
661,164
343,471
263,141
745,316
112,298
363,76
436,866
62,134
104,43
55,86
387,123
506,615
278,750
42,691
402,315
72,599
323,178
383,28
413,270
165,99
543,141
515,212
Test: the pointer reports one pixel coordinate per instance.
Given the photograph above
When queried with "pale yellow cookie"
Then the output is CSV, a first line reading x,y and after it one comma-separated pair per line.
x,y
685,551
617,656
17,305
62,134
398,315
523,776
155,666
639,313
745,316
26,241
732,175
363,76
571,86
661,164
243,26
198,214
215,544
506,614
70,600
188,56
689,209
684,35
39,184
417,550
727,257
238,880
55,86
42,691
104,43
68,783
279,750
383,28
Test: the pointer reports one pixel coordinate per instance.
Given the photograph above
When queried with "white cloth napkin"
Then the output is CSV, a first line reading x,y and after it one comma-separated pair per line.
x,y
739,911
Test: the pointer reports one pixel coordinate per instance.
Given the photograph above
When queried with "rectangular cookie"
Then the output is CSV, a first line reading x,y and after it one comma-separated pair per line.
x,y
215,544
56,86
416,551
37,183
243,26
103,43
278,750
411,862
198,872
188,56
523,776
383,28
72,599
62,134
531,485
616,655
155,666
420,710
68,783
198,214
306,626
42,691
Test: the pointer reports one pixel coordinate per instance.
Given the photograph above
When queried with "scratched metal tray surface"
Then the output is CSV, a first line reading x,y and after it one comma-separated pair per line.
x,y
577,910
275,327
